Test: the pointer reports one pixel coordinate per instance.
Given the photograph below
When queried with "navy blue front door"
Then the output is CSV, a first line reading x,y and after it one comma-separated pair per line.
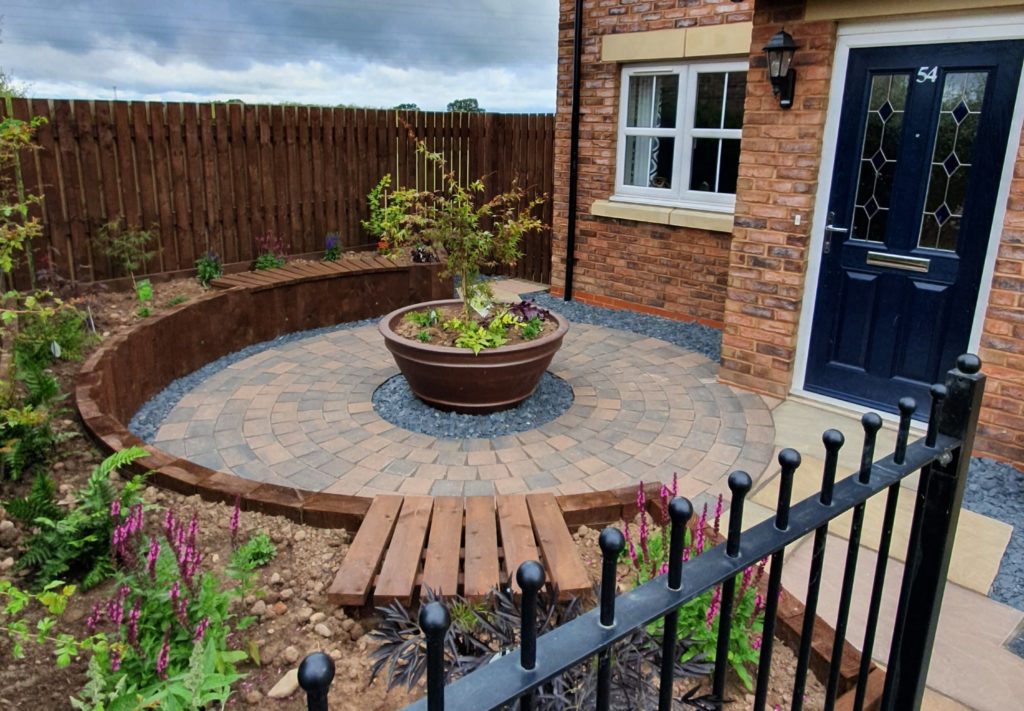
x,y
922,138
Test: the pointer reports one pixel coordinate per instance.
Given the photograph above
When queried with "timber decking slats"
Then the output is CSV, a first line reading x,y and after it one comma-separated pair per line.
x,y
568,575
481,564
441,565
516,535
398,574
532,528
352,583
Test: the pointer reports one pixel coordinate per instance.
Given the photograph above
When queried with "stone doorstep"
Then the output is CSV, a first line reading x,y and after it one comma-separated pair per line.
x,y
977,551
969,663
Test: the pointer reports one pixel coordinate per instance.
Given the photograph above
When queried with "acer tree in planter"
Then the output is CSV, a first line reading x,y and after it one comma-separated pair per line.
x,y
473,355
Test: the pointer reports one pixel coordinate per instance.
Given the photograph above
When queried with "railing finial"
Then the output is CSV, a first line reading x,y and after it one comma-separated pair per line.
x,y
316,672
434,620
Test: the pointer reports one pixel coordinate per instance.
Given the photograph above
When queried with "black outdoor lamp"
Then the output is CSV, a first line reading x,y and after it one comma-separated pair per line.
x,y
779,50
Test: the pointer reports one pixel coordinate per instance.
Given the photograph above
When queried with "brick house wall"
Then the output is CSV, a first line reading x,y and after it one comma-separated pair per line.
x,y
779,165
750,282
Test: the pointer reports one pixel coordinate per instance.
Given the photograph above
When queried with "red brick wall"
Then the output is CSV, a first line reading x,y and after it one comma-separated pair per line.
x,y
1001,430
671,271
778,178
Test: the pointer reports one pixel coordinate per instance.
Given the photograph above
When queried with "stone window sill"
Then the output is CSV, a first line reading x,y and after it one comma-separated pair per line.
x,y
663,215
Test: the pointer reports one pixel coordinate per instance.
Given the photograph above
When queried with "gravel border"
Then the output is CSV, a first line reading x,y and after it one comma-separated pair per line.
x,y
685,334
395,402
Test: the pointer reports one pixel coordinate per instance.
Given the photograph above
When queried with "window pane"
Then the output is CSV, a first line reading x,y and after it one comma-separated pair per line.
x,y
652,101
720,98
649,161
729,166
710,92
715,165
734,98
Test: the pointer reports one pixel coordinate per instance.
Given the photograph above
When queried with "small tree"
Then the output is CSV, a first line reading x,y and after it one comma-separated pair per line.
x,y
407,107
126,245
466,106
472,235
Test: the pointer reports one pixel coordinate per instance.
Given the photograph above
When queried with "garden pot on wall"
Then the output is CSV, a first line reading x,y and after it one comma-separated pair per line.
x,y
452,378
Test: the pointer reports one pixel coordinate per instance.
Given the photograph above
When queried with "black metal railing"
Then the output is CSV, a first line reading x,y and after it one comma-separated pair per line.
x,y
941,457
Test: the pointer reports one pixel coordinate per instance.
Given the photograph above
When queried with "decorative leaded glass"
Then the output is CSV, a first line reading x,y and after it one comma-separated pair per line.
x,y
883,132
962,96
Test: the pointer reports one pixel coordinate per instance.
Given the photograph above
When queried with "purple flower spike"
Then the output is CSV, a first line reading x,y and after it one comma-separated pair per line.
x,y
756,643
115,508
115,659
718,514
201,629
93,620
133,622
712,613
675,484
152,556
164,657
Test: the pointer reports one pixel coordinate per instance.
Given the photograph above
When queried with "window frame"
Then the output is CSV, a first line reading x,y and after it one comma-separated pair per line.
x,y
680,195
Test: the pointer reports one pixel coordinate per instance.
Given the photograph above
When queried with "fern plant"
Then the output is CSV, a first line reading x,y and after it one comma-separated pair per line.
x,y
40,502
26,440
75,545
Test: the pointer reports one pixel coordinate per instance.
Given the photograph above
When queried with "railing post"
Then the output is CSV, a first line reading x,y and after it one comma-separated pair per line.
x,y
315,675
936,512
434,620
530,577
740,484
680,511
612,542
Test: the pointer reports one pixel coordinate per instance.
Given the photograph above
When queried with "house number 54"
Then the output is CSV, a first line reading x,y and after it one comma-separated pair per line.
x,y
927,74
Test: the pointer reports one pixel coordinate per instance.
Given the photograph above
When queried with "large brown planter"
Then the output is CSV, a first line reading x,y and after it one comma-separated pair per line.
x,y
455,379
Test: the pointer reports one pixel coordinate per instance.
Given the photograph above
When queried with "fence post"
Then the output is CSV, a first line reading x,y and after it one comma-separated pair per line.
x,y
315,676
939,496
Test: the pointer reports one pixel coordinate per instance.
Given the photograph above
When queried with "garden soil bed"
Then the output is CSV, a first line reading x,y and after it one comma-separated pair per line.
x,y
293,585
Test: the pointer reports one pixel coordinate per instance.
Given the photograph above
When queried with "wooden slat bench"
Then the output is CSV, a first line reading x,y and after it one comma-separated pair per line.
x,y
456,545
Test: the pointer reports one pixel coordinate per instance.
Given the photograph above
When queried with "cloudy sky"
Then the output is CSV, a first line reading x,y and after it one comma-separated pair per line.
x,y
378,54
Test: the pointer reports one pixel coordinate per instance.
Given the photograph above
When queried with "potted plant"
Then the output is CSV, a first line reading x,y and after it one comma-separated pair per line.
x,y
471,354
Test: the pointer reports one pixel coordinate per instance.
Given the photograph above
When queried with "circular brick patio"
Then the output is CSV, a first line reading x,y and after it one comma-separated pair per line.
x,y
300,415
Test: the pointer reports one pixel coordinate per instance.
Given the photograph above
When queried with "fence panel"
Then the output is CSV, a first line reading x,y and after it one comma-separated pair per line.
x,y
218,176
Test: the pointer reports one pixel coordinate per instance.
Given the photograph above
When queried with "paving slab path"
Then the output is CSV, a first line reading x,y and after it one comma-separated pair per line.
x,y
301,415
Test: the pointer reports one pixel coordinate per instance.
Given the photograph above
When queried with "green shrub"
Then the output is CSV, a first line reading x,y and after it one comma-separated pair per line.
x,y
208,268
45,335
257,552
269,252
75,545
26,440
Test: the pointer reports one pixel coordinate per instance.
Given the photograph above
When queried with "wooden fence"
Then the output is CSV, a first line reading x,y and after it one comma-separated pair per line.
x,y
219,176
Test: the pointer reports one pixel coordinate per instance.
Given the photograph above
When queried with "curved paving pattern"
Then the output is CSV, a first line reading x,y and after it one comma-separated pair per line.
x,y
300,415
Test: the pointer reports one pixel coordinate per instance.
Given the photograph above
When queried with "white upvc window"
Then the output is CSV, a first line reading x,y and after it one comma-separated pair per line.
x,y
679,134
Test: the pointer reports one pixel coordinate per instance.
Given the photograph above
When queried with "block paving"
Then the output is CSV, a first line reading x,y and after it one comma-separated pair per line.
x,y
301,415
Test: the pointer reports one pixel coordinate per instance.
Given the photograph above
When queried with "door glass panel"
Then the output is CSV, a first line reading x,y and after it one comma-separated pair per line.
x,y
883,132
962,96
652,101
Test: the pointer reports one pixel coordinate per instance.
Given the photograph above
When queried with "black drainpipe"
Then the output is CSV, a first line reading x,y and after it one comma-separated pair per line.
x,y
574,148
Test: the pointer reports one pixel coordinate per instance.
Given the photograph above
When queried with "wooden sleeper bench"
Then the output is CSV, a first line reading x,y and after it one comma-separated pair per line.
x,y
456,545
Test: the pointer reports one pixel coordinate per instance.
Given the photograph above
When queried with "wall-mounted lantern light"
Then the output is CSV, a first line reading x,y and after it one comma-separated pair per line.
x,y
779,50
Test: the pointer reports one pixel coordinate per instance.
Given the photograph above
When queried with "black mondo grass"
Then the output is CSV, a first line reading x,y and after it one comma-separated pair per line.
x,y
482,631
